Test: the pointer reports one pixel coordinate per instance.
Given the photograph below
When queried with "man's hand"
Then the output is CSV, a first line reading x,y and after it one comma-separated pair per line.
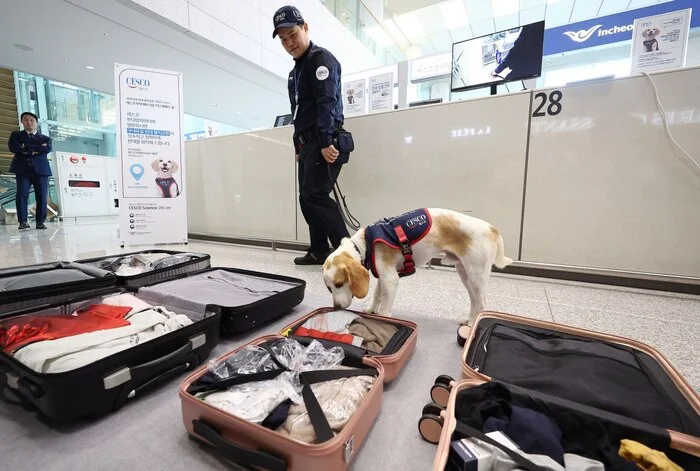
x,y
330,153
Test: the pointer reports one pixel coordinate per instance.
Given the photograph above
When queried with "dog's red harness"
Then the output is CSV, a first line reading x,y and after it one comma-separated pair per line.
x,y
400,233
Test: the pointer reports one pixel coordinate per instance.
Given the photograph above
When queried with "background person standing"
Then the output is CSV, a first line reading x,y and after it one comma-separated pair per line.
x,y
317,107
31,167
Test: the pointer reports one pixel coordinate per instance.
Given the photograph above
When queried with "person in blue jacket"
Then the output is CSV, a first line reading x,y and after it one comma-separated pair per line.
x,y
317,109
31,167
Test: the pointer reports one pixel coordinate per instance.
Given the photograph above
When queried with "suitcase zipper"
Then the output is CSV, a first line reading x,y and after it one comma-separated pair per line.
x,y
481,349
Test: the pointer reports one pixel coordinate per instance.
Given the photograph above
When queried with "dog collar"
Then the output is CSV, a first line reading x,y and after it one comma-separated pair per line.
x,y
358,250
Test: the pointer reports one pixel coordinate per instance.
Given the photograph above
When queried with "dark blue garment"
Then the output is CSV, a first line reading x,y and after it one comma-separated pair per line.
x,y
415,225
25,182
30,153
315,80
534,433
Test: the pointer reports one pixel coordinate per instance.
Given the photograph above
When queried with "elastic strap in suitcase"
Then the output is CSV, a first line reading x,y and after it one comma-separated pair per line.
x,y
465,429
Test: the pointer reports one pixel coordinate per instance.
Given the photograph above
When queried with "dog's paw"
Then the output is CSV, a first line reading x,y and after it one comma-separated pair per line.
x,y
369,310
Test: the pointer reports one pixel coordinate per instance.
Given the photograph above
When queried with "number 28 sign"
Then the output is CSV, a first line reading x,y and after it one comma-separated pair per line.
x,y
542,108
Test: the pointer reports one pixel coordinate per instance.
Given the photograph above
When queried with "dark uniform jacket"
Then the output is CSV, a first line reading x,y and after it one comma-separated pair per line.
x,y
314,86
30,152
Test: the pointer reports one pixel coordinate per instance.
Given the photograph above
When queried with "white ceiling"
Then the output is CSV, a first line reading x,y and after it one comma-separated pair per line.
x,y
426,27
68,35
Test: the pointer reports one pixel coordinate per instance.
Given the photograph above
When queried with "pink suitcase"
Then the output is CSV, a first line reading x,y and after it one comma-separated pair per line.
x,y
602,374
250,444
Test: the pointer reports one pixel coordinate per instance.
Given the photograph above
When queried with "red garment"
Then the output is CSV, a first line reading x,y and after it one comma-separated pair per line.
x,y
20,331
342,338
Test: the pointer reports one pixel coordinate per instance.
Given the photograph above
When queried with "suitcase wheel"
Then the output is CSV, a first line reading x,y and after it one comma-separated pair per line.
x,y
444,379
440,393
463,334
430,428
432,409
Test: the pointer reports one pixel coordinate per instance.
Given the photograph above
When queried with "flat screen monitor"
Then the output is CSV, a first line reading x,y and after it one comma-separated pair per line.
x,y
283,120
506,56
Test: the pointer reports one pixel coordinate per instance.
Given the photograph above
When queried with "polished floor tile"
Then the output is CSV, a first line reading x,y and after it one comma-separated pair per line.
x,y
666,321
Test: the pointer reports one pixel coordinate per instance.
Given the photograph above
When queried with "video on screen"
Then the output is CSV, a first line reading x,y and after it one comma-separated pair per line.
x,y
506,56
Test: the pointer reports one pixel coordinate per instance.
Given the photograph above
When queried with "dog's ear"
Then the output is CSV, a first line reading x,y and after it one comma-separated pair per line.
x,y
174,168
358,277
154,165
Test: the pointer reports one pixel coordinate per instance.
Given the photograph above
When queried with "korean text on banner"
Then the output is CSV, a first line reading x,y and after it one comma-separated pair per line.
x,y
381,92
150,149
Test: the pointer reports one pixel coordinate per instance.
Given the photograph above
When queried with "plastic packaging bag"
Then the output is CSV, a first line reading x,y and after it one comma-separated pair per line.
x,y
251,359
254,401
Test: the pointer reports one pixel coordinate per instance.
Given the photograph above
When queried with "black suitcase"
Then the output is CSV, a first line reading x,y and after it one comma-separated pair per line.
x,y
248,299
175,264
23,288
105,385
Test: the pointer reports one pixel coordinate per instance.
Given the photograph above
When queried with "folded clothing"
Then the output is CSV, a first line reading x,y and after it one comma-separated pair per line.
x,y
582,435
375,334
342,338
339,399
127,300
20,331
69,353
645,458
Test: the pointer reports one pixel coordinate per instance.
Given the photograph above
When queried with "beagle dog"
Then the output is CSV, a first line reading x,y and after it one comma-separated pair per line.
x,y
167,186
650,42
392,247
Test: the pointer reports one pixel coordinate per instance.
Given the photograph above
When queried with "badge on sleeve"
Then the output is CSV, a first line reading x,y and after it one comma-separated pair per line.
x,y
322,72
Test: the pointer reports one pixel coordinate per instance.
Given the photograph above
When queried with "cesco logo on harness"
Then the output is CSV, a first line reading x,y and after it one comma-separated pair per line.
x,y
417,221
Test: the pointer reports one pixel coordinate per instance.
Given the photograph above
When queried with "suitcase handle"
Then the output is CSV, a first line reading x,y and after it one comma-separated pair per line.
x,y
148,375
235,453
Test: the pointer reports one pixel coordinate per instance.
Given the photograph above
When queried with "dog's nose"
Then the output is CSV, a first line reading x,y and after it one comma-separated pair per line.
x,y
336,306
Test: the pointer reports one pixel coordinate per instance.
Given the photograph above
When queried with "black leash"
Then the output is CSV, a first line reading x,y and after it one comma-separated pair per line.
x,y
345,213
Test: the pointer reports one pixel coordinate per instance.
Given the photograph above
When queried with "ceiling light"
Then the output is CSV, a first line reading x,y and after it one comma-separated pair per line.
x,y
213,105
239,112
89,67
410,26
505,7
454,14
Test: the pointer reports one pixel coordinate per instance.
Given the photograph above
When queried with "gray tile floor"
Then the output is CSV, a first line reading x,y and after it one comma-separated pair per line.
x,y
666,321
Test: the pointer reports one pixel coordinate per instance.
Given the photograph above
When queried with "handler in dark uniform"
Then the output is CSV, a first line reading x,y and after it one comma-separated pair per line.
x,y
317,107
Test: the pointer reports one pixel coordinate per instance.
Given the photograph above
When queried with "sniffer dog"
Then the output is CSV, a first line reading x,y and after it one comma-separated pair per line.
x,y
392,247
650,42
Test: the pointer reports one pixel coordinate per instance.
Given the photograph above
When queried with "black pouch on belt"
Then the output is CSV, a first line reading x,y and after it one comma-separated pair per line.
x,y
343,141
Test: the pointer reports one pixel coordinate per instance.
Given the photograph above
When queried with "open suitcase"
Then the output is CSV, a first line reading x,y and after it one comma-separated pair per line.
x,y
27,287
624,384
136,269
248,299
101,370
252,444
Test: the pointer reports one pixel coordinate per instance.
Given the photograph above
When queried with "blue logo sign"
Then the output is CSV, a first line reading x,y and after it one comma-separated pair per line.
x,y
135,82
607,29
136,171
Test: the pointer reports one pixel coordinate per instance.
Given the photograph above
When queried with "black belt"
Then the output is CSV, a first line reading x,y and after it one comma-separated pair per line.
x,y
305,137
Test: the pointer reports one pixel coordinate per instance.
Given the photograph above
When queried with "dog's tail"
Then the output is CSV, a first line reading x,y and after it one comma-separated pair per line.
x,y
501,260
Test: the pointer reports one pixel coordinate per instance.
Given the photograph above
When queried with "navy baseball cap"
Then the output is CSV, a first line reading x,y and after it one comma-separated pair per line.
x,y
30,114
286,17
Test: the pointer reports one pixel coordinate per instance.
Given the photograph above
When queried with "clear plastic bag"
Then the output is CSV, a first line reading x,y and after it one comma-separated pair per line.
x,y
255,400
251,359
173,260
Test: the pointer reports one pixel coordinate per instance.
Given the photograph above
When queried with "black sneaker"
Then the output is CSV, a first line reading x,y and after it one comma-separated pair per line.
x,y
311,259
24,226
41,226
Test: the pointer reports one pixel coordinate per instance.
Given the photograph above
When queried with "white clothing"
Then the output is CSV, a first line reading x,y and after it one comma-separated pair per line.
x,y
127,300
69,353
336,321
